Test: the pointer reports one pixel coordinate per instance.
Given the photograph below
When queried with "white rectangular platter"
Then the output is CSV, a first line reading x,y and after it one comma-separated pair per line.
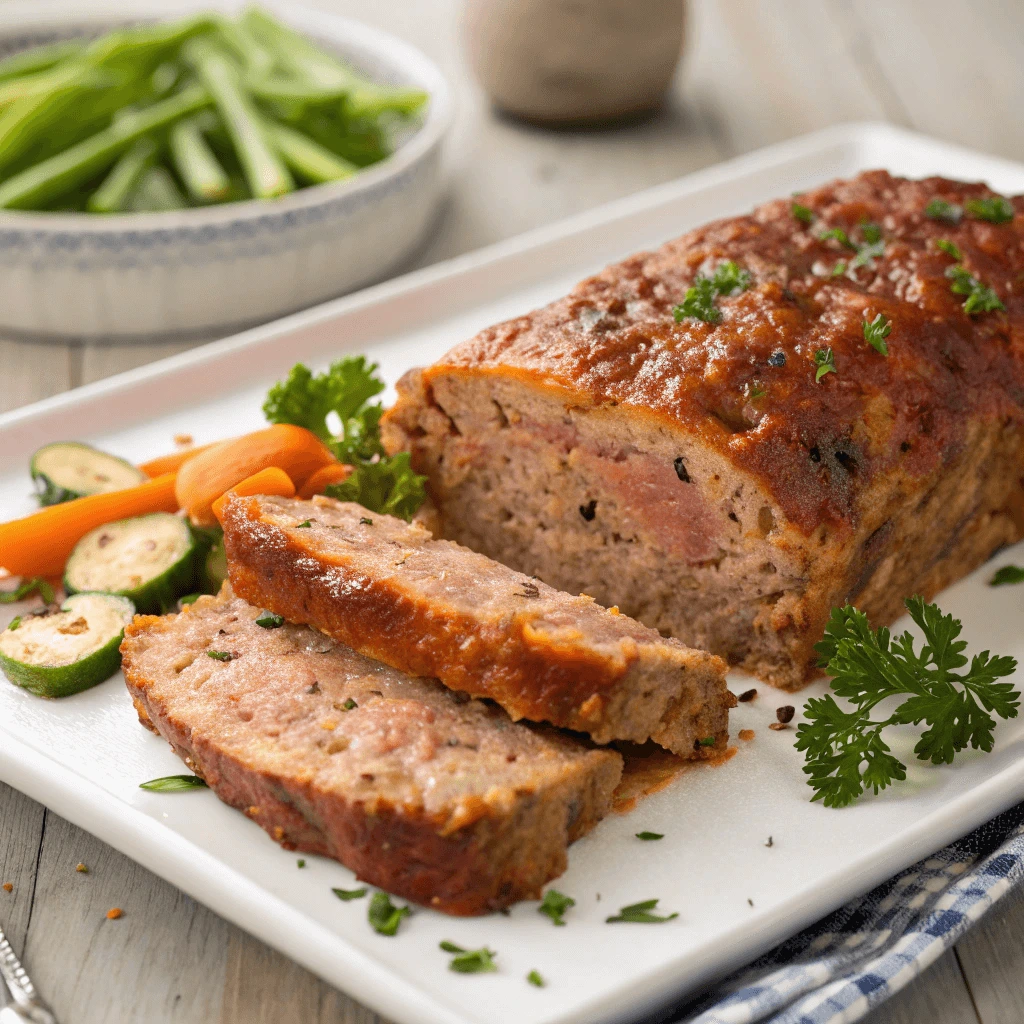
x,y
85,756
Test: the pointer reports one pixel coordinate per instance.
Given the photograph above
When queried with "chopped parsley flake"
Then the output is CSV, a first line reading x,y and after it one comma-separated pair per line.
x,y
755,389
349,705
839,235
639,913
699,302
36,585
173,784
1007,574
305,526
534,978
867,254
825,361
270,621
980,298
839,269
349,894
707,741
804,214
876,332
470,961
650,836
365,521
949,248
871,233
939,209
555,904
301,863
15,622
995,209
384,916
220,655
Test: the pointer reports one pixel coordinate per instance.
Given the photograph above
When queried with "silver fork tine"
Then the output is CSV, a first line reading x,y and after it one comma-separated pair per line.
x,y
28,1004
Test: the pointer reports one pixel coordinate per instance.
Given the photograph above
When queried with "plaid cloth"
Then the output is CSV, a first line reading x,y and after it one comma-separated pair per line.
x,y
851,961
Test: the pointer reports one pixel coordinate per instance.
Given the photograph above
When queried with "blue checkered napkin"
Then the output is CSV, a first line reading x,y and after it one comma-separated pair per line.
x,y
857,957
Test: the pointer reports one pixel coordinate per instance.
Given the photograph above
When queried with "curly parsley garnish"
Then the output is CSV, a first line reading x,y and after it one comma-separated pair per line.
x,y
825,361
804,214
939,209
341,396
383,915
845,751
876,332
344,389
699,302
388,486
1007,574
980,298
640,913
470,961
995,209
555,904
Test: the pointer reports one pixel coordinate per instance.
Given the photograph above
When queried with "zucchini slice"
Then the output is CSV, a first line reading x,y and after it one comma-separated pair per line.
x,y
150,560
69,470
58,653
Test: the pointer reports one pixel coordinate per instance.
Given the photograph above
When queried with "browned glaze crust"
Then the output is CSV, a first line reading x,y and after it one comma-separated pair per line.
x,y
497,853
817,448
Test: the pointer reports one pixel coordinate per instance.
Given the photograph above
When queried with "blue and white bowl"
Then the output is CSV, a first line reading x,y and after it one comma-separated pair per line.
x,y
219,268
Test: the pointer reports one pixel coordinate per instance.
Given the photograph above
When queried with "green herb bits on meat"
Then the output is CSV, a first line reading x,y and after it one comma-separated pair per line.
x,y
68,469
60,652
151,560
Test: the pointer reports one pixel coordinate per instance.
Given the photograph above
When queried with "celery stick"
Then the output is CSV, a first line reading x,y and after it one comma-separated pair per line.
x,y
45,181
198,168
156,193
112,196
38,58
308,159
264,171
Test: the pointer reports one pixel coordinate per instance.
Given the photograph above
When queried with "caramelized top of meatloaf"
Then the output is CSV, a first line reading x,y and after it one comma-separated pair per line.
x,y
419,790
434,608
747,385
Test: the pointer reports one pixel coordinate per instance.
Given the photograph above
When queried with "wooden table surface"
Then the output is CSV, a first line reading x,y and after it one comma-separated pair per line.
x,y
754,73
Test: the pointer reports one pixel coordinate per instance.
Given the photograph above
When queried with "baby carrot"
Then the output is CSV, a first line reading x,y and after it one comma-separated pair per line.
x,y
332,473
267,481
39,544
173,462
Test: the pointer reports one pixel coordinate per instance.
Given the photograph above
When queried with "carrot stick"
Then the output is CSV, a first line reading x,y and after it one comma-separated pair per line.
x,y
332,473
203,479
39,544
173,462
267,481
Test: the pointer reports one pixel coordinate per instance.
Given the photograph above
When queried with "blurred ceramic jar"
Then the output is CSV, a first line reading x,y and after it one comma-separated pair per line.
x,y
574,61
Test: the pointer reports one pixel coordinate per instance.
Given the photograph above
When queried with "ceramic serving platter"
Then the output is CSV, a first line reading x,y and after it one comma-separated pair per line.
x,y
735,895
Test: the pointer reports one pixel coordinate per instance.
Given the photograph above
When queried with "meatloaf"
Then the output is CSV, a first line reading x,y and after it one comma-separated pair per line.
x,y
820,402
433,608
434,797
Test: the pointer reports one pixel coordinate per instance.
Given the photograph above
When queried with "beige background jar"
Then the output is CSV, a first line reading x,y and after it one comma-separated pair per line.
x,y
574,61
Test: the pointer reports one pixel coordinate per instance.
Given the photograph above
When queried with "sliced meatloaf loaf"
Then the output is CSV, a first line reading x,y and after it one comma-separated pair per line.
x,y
433,608
832,413
422,792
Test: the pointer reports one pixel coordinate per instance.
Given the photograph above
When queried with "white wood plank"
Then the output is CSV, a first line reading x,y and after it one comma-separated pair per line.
x,y
21,831
161,962
938,996
33,370
992,957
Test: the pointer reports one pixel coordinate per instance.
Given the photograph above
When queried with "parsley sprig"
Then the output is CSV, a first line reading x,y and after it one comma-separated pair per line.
x,y
341,396
844,750
699,302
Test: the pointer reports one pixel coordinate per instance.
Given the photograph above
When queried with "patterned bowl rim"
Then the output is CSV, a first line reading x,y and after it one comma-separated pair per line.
x,y
31,17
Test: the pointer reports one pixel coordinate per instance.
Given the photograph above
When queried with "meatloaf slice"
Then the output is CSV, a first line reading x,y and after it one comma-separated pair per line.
x,y
729,477
422,792
433,608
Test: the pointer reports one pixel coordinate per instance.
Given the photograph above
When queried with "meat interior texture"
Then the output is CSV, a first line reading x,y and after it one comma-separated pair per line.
x,y
433,608
697,475
421,791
